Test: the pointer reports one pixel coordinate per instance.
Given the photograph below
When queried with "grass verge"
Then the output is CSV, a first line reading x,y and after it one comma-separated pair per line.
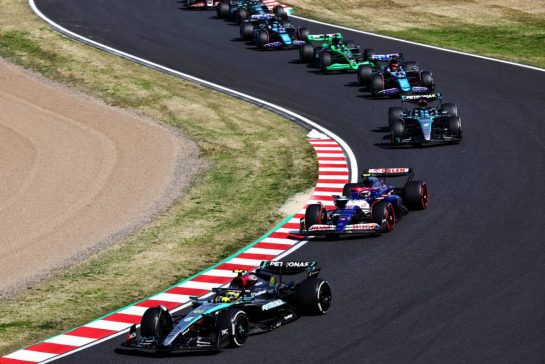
x,y
257,160
504,29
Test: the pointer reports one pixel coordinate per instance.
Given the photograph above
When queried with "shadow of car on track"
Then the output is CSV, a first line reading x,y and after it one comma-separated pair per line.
x,y
152,354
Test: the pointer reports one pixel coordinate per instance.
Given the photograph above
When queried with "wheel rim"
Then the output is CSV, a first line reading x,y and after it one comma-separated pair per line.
x,y
389,217
324,297
424,198
241,330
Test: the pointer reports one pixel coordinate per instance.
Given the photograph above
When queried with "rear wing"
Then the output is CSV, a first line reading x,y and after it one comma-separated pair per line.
x,y
323,37
436,96
289,268
258,17
387,172
386,57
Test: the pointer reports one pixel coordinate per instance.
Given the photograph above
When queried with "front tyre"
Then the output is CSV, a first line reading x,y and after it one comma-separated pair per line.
x,y
394,114
426,80
449,108
262,38
232,327
377,84
325,61
454,125
306,53
364,74
416,195
383,214
156,322
367,53
314,296
315,214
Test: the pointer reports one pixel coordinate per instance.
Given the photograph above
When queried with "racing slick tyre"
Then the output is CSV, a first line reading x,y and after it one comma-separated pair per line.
x,y
364,74
367,53
315,214
411,66
394,114
454,125
302,33
397,131
262,38
426,80
325,61
449,108
246,31
306,53
377,84
235,323
241,15
416,195
314,295
383,213
279,12
156,322
222,10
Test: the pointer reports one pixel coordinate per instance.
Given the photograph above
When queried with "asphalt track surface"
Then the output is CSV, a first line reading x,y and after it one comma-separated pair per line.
x,y
462,281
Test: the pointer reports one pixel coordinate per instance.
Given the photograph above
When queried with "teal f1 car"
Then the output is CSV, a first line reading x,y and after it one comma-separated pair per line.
x,y
331,53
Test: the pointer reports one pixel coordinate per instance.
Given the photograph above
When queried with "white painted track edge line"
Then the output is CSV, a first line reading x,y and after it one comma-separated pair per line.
x,y
534,68
288,114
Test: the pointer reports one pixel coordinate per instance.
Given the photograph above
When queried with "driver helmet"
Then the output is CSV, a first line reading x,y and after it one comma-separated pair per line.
x,y
423,103
336,40
227,296
365,194
246,280
393,65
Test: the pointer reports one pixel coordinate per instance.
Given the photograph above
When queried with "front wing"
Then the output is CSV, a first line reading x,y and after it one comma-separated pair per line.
x,y
362,228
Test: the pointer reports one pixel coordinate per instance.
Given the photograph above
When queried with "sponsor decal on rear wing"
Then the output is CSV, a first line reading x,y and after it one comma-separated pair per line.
x,y
324,36
288,267
261,16
386,57
415,98
386,172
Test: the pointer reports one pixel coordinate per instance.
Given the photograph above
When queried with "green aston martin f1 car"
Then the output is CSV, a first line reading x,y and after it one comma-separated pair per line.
x,y
330,52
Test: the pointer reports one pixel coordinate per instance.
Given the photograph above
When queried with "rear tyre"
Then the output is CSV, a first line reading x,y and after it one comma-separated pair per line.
x,y
246,31
314,295
222,10
383,214
241,15
315,214
280,12
364,75
416,195
449,108
394,114
377,84
426,80
454,125
236,323
367,53
325,61
302,33
262,38
306,53
156,322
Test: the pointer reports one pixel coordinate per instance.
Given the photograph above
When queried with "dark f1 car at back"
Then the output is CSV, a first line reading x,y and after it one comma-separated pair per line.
x,y
424,123
370,206
240,10
254,302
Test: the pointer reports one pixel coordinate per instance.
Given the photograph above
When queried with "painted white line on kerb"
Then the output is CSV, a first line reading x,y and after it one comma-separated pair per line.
x,y
273,107
419,44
